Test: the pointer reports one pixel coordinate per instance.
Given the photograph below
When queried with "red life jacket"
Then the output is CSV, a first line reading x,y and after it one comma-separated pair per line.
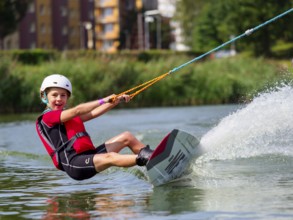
x,y
83,143
72,133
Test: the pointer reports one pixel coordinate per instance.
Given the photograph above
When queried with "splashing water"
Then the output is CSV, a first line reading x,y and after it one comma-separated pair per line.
x,y
265,126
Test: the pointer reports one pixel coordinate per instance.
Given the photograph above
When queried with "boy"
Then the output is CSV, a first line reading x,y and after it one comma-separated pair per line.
x,y
64,136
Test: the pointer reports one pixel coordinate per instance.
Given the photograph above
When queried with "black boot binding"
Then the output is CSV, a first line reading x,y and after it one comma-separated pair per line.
x,y
144,156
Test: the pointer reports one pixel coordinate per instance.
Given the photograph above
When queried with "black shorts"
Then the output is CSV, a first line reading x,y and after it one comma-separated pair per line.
x,y
80,166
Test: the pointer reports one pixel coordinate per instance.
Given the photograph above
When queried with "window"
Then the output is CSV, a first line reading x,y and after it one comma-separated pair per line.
x,y
107,12
73,31
43,28
33,45
91,16
64,30
63,11
42,10
107,44
32,27
72,14
108,28
31,7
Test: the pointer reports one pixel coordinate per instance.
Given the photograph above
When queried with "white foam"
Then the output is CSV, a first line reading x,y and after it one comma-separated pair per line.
x,y
265,126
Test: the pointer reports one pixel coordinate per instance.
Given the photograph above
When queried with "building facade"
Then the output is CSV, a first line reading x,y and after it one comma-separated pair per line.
x,y
119,23
107,28
104,25
54,24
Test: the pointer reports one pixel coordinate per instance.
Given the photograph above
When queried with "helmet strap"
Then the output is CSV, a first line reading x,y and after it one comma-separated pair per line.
x,y
44,98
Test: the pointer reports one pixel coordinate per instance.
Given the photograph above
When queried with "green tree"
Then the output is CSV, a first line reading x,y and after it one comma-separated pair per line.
x,y
187,13
217,21
11,13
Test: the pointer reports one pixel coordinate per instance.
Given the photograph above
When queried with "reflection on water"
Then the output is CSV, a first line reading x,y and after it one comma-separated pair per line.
x,y
173,199
103,206
162,201
48,194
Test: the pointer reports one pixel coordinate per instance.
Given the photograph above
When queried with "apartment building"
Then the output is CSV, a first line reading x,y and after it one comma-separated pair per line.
x,y
107,28
104,25
55,24
119,23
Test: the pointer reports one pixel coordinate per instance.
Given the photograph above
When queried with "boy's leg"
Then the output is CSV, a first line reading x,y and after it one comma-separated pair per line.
x,y
125,139
104,161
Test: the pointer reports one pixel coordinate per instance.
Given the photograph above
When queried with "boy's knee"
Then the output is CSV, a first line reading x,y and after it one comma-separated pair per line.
x,y
127,134
127,137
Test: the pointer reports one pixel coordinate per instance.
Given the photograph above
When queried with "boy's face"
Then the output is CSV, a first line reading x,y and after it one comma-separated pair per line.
x,y
57,98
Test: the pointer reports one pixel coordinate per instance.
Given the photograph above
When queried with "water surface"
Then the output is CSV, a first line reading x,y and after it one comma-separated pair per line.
x,y
246,172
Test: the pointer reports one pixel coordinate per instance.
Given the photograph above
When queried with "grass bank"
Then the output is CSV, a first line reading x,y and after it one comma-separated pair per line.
x,y
218,81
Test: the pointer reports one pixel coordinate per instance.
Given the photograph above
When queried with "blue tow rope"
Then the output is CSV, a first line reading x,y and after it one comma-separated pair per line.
x,y
246,33
145,85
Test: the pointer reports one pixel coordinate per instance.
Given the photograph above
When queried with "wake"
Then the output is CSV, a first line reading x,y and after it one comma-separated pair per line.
x,y
264,126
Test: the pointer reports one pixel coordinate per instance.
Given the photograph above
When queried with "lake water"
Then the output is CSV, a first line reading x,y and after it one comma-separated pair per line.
x,y
246,172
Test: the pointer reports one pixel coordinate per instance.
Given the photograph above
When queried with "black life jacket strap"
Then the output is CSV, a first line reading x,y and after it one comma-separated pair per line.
x,y
68,144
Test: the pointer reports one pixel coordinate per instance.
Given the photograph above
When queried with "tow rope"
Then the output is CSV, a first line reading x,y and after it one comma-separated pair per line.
x,y
147,84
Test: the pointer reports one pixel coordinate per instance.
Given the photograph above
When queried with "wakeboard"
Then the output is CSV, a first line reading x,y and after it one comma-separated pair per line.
x,y
172,157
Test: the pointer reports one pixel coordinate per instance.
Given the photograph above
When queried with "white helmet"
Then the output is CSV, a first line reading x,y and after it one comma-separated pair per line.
x,y
56,80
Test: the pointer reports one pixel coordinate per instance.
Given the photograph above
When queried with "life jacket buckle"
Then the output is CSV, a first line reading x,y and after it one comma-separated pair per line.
x,y
81,134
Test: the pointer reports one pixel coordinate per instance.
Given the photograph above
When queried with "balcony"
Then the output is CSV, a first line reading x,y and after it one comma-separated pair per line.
x,y
109,15
106,3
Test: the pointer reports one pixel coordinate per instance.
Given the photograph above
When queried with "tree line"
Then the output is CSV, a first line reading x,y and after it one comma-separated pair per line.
x,y
209,23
